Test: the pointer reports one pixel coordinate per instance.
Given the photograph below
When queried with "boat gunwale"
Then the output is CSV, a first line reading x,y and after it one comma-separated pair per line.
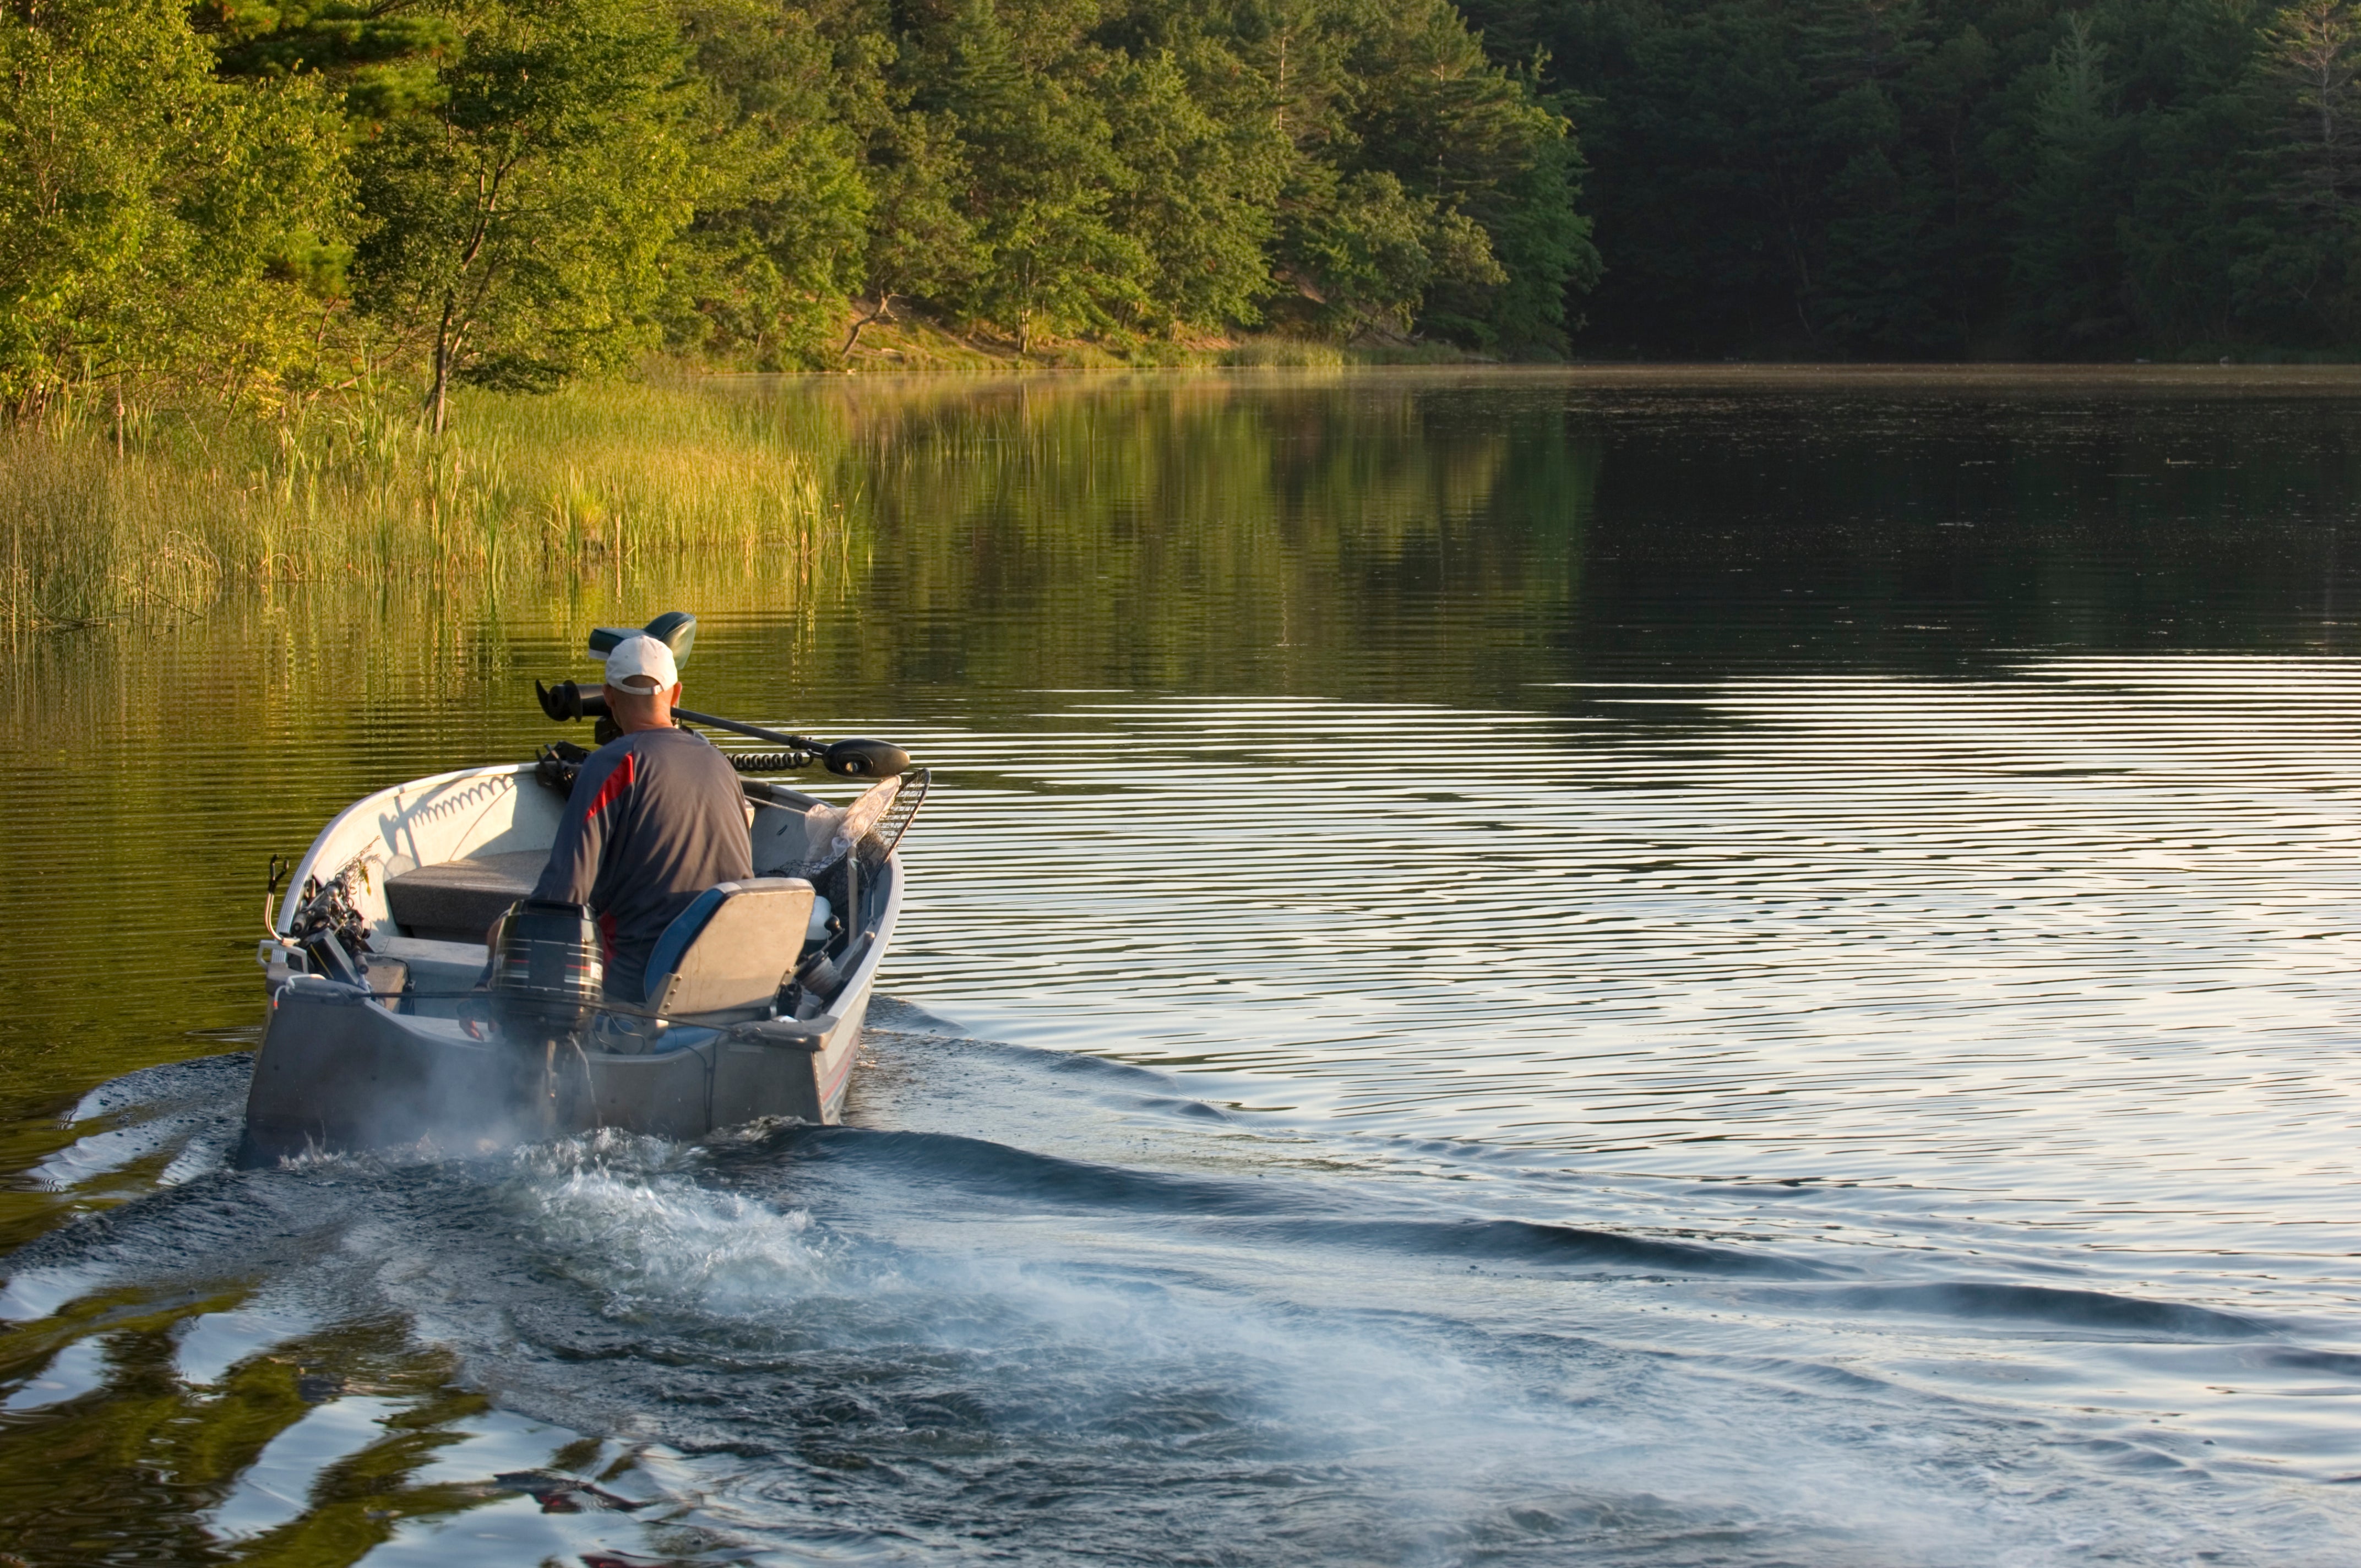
x,y
852,994
308,867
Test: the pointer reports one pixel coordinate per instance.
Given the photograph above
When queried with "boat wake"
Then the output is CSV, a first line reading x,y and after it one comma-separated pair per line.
x,y
1059,1310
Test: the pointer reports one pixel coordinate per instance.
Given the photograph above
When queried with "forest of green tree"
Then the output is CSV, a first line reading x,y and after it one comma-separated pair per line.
x,y
267,198
1954,178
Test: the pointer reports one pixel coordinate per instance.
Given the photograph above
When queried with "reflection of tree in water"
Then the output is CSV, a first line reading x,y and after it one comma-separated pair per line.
x,y
132,1470
1242,535
1929,525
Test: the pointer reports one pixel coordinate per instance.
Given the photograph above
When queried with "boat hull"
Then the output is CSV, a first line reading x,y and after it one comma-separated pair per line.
x,y
341,1068
337,1071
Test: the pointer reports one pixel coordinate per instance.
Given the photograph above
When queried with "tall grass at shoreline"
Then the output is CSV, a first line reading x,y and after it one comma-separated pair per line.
x,y
164,517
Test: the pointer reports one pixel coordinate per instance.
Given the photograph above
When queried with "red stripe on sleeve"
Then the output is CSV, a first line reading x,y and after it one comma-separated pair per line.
x,y
617,783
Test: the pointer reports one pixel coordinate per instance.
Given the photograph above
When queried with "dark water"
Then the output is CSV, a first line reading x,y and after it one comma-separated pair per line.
x,y
1505,967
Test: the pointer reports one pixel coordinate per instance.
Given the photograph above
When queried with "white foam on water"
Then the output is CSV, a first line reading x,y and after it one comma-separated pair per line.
x,y
1446,1442
632,1222
1531,1406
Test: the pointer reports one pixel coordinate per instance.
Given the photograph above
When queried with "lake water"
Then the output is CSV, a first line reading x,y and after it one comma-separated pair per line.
x,y
1588,968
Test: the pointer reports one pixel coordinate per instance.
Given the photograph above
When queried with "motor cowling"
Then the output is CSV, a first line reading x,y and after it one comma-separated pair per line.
x,y
548,971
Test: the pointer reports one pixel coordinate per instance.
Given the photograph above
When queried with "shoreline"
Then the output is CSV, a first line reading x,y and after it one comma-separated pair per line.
x,y
1883,372
916,345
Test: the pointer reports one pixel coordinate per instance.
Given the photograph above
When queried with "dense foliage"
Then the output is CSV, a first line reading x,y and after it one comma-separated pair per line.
x,y
267,197
1949,178
515,192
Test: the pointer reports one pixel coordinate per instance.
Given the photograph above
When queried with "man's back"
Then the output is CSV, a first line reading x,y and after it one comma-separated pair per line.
x,y
655,819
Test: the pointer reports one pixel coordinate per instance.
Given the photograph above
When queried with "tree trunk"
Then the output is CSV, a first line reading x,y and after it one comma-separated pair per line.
x,y
437,394
884,312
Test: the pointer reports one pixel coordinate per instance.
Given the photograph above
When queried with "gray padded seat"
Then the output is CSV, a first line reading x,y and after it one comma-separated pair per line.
x,y
457,901
729,953
434,966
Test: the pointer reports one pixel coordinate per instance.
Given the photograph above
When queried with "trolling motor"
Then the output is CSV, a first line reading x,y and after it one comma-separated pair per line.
x,y
852,758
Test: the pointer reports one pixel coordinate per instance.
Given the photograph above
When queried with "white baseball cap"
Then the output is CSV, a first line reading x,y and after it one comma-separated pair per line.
x,y
642,664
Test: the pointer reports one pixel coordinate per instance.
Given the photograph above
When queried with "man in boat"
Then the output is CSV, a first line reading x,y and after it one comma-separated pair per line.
x,y
655,818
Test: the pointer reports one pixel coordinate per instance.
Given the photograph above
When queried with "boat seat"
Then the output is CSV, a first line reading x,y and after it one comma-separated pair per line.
x,y
457,901
728,951
435,966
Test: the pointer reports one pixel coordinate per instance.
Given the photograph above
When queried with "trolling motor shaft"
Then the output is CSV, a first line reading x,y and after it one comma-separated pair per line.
x,y
852,758
677,629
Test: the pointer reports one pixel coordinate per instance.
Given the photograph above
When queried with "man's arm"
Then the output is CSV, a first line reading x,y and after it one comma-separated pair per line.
x,y
600,790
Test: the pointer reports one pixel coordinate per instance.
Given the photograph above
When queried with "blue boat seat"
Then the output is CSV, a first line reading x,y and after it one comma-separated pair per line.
x,y
728,951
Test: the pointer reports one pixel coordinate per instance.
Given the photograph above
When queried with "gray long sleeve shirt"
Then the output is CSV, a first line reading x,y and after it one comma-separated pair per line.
x,y
655,819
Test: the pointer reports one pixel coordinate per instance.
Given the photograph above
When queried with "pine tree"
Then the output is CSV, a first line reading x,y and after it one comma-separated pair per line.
x,y
2308,226
1042,174
2065,269
781,187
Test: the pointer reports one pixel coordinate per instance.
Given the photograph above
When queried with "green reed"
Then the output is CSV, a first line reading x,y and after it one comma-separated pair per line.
x,y
161,513
1285,352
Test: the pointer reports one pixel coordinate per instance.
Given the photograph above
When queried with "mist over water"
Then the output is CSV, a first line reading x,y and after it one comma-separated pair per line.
x,y
1509,968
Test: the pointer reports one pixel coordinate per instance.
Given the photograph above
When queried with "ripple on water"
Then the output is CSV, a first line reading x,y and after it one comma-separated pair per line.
x,y
1841,1120
2078,928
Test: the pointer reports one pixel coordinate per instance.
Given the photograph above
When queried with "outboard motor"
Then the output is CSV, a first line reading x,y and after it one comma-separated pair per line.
x,y
547,971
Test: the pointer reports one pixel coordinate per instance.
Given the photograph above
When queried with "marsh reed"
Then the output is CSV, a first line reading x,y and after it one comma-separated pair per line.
x,y
160,516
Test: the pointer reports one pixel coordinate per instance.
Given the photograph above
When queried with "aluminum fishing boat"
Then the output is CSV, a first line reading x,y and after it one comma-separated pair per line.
x,y
392,1021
